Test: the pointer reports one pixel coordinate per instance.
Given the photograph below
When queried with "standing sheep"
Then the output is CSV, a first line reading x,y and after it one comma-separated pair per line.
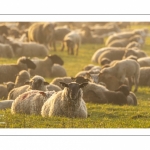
x,y
124,68
8,72
30,102
44,66
68,102
72,39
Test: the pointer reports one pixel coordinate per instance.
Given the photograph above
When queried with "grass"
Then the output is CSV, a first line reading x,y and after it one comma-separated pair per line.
x,y
101,115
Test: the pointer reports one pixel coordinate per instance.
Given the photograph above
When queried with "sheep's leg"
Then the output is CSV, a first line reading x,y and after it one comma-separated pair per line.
x,y
130,83
63,45
54,45
77,49
136,82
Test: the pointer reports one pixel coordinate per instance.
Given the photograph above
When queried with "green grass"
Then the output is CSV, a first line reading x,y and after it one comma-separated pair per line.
x,y
101,115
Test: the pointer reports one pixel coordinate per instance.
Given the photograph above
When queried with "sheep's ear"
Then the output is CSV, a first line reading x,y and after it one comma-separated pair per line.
x,y
83,84
64,84
46,83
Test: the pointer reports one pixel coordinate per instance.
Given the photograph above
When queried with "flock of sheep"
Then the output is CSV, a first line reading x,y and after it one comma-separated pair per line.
x,y
120,65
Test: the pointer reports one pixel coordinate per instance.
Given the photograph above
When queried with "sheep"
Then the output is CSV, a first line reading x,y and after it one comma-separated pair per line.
x,y
137,53
44,66
144,79
68,102
133,44
53,87
124,68
30,102
72,39
8,72
88,67
41,33
6,51
57,80
58,71
131,99
5,104
5,88
29,49
35,83
125,41
144,62
21,78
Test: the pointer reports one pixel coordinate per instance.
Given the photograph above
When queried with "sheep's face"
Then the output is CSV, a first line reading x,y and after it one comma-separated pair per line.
x,y
56,59
73,89
30,64
93,77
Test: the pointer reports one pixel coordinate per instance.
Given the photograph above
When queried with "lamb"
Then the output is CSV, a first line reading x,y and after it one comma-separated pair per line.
x,y
67,103
72,39
5,104
8,72
144,62
6,51
30,102
5,88
29,49
124,68
21,78
44,66
57,80
58,71
35,83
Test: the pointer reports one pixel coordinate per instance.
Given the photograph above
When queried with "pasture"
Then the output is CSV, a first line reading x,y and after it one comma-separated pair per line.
x,y
100,115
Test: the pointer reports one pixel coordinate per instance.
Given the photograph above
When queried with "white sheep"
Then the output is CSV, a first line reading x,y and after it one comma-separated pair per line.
x,y
30,102
8,72
124,68
44,66
68,102
144,62
35,83
5,104
6,51
21,78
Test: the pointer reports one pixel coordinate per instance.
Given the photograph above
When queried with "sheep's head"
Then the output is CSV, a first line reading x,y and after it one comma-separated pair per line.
x,y
37,83
93,77
73,89
10,85
29,63
56,59
124,89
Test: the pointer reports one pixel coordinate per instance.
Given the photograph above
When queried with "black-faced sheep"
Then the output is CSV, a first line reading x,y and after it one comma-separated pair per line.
x,y
42,33
124,68
35,83
8,72
68,102
44,66
30,102
72,40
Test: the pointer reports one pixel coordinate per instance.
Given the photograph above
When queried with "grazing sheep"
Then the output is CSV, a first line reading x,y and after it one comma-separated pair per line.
x,y
6,51
35,83
124,68
137,53
29,49
5,104
44,66
68,102
21,78
144,62
72,39
41,33
8,72
58,71
30,102
5,88
57,80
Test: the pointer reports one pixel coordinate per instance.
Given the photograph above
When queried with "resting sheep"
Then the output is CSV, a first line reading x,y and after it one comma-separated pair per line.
x,y
8,72
30,102
35,83
124,68
44,66
5,104
67,103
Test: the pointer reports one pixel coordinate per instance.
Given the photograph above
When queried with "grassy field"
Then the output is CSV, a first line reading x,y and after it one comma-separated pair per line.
x,y
101,115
